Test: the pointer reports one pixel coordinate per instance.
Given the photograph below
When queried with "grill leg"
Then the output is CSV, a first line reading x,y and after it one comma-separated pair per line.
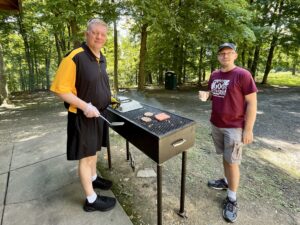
x,y
159,195
181,212
108,151
127,150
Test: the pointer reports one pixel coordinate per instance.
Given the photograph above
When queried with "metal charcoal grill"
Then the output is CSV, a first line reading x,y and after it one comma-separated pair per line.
x,y
160,140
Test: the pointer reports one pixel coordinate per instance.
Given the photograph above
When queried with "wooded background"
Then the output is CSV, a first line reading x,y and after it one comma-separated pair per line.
x,y
147,38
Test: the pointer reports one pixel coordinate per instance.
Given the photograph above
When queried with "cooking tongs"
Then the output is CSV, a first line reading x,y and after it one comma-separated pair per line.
x,y
112,124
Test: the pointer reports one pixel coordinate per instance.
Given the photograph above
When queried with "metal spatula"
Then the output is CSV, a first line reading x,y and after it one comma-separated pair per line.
x,y
112,123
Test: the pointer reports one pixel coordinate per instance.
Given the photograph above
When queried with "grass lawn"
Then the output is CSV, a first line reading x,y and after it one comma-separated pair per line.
x,y
281,79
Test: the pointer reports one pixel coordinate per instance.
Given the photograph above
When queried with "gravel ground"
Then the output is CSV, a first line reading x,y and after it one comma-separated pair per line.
x,y
270,169
270,173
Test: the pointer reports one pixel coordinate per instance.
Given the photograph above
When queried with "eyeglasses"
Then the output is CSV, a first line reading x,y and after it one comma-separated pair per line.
x,y
223,54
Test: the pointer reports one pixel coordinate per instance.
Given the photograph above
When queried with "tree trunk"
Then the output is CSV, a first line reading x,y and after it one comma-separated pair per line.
x,y
57,48
249,61
24,35
176,55
136,76
143,51
149,78
29,63
243,58
212,63
70,36
22,78
74,30
277,19
203,74
295,63
200,69
180,64
38,78
294,69
255,61
160,75
184,66
269,60
3,84
47,62
64,45
116,86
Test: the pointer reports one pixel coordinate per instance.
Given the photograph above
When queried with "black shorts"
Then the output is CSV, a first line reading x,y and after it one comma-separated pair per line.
x,y
85,136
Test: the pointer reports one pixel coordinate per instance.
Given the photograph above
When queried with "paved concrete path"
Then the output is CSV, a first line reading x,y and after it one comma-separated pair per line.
x,y
38,186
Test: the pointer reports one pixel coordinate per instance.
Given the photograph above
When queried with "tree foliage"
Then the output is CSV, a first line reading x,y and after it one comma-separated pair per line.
x,y
177,35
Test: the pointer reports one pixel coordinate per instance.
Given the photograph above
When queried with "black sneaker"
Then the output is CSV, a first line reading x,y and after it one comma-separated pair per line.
x,y
102,183
218,184
230,210
102,203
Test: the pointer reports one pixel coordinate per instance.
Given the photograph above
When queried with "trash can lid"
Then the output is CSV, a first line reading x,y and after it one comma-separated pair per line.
x,y
169,71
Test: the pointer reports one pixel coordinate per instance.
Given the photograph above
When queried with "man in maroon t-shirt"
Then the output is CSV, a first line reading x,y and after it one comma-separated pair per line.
x,y
234,105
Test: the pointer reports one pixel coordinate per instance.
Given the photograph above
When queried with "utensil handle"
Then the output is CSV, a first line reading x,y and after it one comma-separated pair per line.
x,y
105,119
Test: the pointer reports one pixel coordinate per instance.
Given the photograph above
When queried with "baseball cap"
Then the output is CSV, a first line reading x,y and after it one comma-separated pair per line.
x,y
227,45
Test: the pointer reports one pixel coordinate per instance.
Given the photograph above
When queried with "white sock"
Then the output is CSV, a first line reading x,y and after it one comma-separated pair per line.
x,y
231,195
91,198
225,179
94,177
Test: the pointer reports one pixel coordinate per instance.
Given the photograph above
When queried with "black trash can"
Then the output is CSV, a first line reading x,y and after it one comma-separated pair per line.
x,y
170,80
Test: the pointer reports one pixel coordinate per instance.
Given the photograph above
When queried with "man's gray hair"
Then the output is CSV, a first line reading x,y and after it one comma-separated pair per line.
x,y
95,21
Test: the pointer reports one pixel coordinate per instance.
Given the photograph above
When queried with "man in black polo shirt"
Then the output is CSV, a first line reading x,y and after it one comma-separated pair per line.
x,y
82,83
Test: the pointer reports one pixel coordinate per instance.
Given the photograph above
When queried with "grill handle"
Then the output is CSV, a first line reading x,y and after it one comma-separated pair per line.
x,y
178,142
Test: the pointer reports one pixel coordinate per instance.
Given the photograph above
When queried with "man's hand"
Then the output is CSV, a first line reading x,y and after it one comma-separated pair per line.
x,y
247,137
91,111
114,103
204,95
250,117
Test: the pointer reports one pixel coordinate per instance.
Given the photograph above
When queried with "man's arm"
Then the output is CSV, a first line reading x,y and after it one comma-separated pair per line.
x,y
251,108
88,109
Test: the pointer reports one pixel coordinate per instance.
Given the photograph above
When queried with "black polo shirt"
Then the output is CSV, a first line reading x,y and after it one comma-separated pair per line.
x,y
84,75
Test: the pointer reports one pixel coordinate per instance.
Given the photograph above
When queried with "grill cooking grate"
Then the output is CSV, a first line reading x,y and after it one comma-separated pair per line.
x,y
158,127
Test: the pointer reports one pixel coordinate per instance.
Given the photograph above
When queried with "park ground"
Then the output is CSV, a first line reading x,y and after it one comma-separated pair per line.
x,y
270,172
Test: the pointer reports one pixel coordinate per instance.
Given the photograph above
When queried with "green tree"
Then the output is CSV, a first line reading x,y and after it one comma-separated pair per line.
x,y
273,26
178,35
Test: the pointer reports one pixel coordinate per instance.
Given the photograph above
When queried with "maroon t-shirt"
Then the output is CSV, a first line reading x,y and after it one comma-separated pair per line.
x,y
228,91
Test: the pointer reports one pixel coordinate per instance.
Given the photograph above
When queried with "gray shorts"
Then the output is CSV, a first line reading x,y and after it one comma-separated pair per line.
x,y
228,141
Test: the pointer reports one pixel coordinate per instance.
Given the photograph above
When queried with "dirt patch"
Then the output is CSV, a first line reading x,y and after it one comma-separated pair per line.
x,y
270,178
270,170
